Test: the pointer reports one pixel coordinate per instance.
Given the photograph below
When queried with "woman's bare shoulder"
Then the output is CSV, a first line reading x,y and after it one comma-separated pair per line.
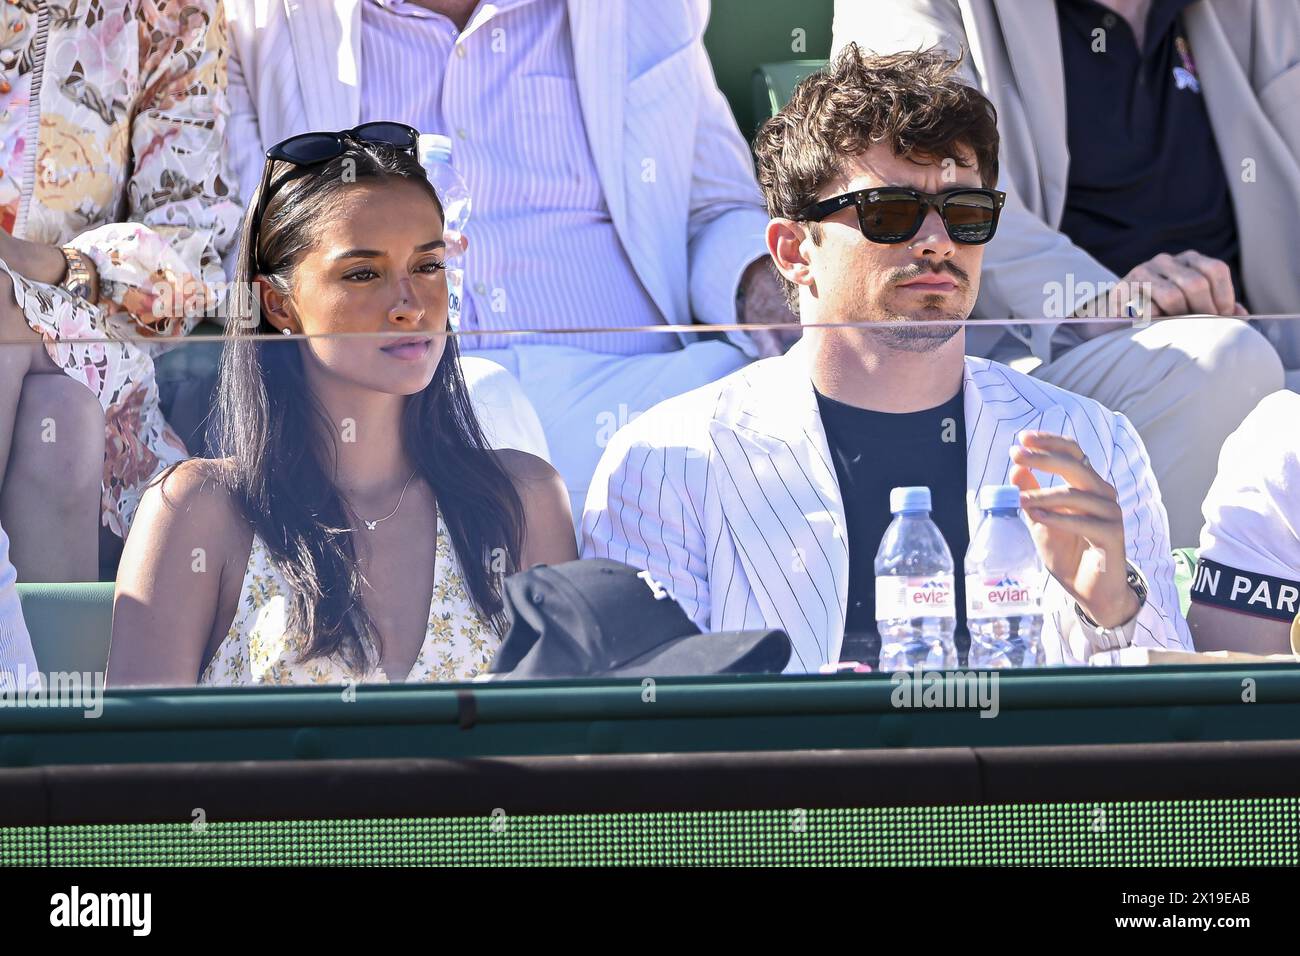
x,y
526,469
548,517
196,495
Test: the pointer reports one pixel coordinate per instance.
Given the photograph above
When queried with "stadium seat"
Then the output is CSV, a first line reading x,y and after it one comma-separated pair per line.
x,y
742,34
1184,574
70,624
186,376
774,82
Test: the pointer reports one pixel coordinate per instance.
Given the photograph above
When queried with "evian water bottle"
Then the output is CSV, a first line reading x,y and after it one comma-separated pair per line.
x,y
435,157
1004,601
916,610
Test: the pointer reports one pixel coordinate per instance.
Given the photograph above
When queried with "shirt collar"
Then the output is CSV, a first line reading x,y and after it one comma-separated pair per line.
x,y
1160,17
415,10
404,7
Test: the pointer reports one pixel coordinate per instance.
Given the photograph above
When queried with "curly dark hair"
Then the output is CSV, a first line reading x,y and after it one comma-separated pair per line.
x,y
914,102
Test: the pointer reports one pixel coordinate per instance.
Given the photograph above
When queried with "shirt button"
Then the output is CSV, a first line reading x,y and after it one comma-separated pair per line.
x,y
460,50
480,288
461,133
1108,20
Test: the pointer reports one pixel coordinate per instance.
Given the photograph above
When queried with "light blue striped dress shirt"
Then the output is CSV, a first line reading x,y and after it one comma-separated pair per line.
x,y
543,251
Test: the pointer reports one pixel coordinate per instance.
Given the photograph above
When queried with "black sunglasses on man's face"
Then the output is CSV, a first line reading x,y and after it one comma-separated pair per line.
x,y
892,214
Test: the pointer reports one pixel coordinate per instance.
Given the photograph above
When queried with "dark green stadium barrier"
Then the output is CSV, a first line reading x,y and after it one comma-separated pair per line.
x,y
1180,805
1175,766
1168,804
1074,707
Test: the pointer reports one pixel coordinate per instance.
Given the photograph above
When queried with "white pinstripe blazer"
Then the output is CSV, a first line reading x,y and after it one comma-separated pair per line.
x,y
647,93
728,496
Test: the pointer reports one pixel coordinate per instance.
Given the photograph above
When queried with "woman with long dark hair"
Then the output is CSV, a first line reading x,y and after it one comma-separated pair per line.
x,y
354,524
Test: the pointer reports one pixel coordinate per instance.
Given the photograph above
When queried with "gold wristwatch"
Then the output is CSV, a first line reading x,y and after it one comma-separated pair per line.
x,y
80,277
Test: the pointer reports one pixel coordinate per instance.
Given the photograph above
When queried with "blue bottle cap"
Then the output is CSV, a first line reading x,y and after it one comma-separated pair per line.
x,y
999,496
909,499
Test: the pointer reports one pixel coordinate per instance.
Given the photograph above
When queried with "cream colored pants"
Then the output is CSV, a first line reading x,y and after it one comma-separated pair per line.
x,y
1185,384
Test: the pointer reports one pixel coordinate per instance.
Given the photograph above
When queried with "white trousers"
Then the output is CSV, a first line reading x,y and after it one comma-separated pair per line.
x,y
583,397
504,412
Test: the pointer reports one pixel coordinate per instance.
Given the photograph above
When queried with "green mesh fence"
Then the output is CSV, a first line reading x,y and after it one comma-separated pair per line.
x,y
1158,833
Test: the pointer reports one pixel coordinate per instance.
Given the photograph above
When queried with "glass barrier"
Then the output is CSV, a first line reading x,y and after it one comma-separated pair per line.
x,y
235,507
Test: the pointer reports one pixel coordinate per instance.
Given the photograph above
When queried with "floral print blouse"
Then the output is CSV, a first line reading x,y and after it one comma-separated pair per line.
x,y
17,30
459,643
112,114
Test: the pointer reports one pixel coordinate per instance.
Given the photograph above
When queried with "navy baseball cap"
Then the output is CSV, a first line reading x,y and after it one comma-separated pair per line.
x,y
603,618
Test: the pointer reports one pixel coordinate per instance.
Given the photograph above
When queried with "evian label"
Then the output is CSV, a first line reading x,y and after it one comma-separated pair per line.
x,y
1001,595
902,597
455,295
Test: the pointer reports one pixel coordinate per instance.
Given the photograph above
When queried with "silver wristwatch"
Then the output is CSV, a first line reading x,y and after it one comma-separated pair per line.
x,y
1136,580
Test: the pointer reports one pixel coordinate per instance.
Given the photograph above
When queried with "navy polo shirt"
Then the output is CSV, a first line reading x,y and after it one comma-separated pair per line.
x,y
1145,174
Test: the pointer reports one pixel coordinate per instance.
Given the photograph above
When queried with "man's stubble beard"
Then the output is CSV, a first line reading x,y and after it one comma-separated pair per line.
x,y
920,335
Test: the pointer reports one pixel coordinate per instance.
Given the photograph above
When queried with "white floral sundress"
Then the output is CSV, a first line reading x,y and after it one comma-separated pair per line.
x,y
459,643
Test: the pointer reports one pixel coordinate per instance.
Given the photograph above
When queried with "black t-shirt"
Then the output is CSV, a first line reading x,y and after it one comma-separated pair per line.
x,y
873,453
1145,173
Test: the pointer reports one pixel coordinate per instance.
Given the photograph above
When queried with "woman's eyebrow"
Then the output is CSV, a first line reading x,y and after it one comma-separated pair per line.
x,y
376,254
358,254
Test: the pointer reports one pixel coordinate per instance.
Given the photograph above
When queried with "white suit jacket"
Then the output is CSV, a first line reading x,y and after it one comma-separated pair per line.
x,y
1247,53
645,94
728,496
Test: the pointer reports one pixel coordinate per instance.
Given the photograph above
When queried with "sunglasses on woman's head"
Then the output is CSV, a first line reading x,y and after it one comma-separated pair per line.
x,y
892,214
311,149
306,149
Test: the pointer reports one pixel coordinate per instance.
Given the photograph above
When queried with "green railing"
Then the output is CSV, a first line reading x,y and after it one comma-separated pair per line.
x,y
1068,707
